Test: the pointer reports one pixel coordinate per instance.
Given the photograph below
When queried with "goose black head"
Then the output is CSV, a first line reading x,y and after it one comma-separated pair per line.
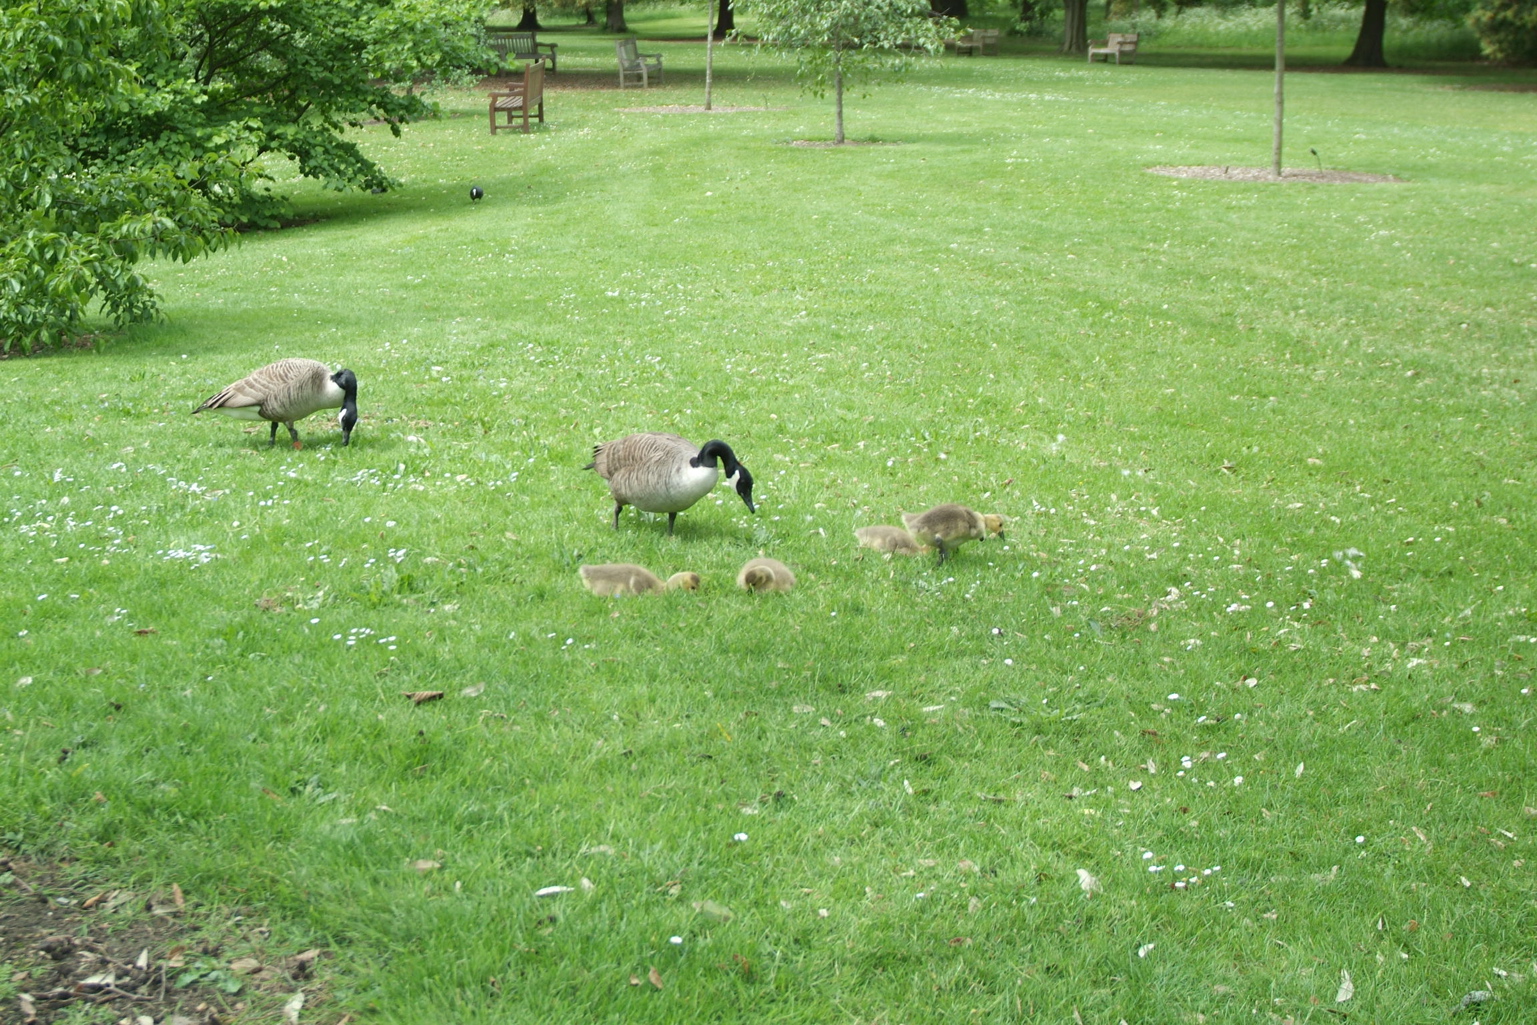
x,y
476,192
736,474
742,481
347,381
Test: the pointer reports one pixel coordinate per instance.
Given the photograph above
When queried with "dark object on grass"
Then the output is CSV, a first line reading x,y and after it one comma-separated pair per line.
x,y
290,390
1317,158
476,193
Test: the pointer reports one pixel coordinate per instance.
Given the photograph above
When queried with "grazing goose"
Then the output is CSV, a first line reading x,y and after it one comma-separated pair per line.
x,y
289,390
663,473
616,578
765,575
949,526
891,540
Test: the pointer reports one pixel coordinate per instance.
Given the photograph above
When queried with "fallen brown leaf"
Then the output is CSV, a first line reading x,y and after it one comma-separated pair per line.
x,y
176,895
654,977
146,631
420,697
245,965
635,980
424,866
960,941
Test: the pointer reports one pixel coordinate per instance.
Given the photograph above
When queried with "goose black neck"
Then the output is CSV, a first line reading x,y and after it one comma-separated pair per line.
x,y
713,450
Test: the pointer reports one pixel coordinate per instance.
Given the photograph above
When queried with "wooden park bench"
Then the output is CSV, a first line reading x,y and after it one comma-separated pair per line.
x,y
519,99
521,46
1119,44
977,43
635,66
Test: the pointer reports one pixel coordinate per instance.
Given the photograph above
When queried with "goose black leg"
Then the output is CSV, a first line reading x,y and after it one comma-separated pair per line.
x,y
942,552
671,519
272,439
292,433
618,506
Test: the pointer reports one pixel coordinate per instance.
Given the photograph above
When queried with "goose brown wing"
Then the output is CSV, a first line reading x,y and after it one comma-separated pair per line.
x,y
277,390
648,448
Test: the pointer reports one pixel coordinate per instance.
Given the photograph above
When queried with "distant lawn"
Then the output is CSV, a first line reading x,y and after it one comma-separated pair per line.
x,y
1241,704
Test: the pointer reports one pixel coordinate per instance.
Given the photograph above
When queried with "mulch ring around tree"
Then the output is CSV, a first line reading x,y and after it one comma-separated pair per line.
x,y
1233,173
689,108
73,952
829,144
1499,87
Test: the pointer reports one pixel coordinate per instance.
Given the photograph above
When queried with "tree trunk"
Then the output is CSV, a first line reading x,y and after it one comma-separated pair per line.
x,y
1075,26
951,8
709,51
613,16
587,10
838,94
1368,51
1280,87
725,21
530,22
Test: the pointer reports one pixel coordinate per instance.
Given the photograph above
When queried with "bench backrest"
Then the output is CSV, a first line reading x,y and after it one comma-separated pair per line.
x,y
629,53
1122,40
517,44
533,82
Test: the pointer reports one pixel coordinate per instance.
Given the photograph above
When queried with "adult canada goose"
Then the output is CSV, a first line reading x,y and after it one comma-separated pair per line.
x,y
615,578
765,575
892,540
663,473
290,390
947,527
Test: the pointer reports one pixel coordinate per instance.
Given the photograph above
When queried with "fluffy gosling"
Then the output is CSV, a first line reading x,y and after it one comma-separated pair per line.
x,y
947,527
765,575
618,578
891,540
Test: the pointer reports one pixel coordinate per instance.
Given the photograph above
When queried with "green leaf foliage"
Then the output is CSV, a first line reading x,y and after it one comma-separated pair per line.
x,y
132,129
854,38
73,228
1507,29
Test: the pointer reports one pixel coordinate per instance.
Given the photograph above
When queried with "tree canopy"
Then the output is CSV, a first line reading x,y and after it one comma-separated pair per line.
x,y
132,129
840,40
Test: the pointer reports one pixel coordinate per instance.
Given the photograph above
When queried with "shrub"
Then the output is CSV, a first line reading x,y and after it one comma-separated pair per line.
x,y
1506,29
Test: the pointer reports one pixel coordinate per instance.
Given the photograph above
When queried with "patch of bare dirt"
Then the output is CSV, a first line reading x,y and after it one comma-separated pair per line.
x,y
86,341
1500,87
829,144
689,108
1224,172
68,948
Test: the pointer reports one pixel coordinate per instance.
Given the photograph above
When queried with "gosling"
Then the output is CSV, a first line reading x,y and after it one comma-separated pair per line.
x,y
947,527
620,578
765,575
891,540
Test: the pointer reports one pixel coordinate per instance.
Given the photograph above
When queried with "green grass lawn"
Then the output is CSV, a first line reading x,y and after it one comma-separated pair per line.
x,y
1255,655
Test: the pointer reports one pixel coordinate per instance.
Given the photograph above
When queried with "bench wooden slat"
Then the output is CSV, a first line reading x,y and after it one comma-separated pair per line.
x,y
518,101
1117,44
